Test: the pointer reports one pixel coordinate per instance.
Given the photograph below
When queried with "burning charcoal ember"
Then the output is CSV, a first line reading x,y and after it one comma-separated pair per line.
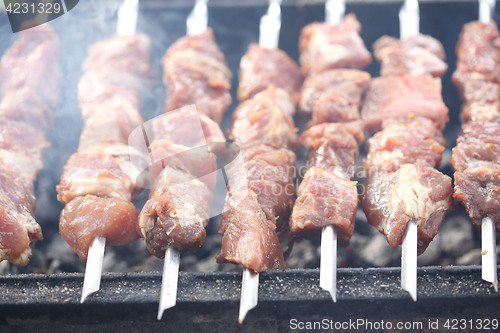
x,y
373,251
266,119
403,141
26,108
323,46
195,72
415,55
457,236
404,96
263,67
334,95
99,180
415,192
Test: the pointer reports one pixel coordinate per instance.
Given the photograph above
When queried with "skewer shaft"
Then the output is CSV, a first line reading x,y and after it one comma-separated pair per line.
x,y
249,293
328,261
197,20
127,17
270,25
170,277
409,25
334,11
489,253
409,19
486,7
409,260
93,269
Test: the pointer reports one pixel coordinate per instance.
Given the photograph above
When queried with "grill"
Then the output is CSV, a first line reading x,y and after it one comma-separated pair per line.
x,y
209,301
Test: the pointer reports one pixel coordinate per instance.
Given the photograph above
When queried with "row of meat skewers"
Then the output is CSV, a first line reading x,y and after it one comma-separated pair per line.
x,y
403,110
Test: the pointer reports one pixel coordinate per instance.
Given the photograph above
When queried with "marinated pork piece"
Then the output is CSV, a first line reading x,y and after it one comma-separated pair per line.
x,y
19,151
86,217
31,78
334,95
325,199
323,46
403,141
104,171
183,128
479,143
476,160
333,147
249,237
404,96
29,92
176,212
478,53
18,228
415,192
101,83
108,122
263,67
481,100
269,173
262,119
195,72
199,162
415,55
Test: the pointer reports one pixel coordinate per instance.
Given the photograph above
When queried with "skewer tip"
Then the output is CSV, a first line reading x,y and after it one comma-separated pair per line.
x,y
249,293
328,261
489,253
409,260
170,277
93,269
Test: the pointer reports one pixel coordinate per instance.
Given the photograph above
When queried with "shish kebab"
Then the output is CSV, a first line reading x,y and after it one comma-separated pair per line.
x,y
476,157
198,81
100,179
404,196
29,92
331,96
259,203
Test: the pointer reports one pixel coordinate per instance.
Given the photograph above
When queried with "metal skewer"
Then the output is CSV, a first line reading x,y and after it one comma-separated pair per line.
x,y
334,12
269,31
126,25
488,232
489,252
196,23
93,269
409,21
